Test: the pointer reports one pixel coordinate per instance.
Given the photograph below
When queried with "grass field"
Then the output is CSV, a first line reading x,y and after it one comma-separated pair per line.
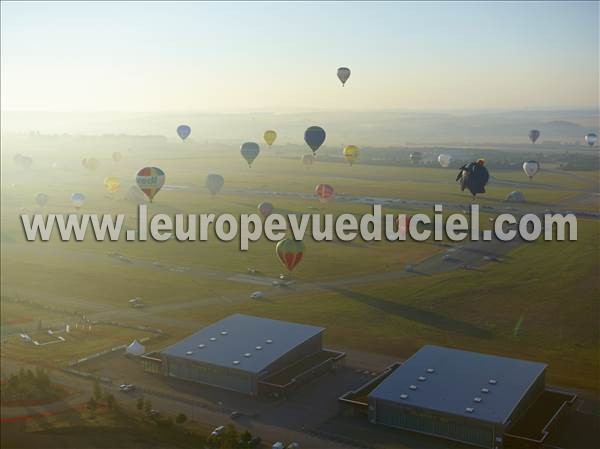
x,y
541,303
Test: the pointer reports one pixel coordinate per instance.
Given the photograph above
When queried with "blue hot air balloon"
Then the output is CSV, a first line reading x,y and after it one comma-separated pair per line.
x,y
183,131
249,151
314,137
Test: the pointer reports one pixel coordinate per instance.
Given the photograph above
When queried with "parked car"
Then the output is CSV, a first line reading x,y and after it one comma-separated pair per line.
x,y
293,445
218,431
126,388
278,445
153,413
235,414
257,295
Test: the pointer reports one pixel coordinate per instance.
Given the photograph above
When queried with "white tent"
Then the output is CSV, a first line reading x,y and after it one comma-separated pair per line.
x,y
135,349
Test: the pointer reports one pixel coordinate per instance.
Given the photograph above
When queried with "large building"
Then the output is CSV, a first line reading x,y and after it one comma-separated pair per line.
x,y
247,354
473,398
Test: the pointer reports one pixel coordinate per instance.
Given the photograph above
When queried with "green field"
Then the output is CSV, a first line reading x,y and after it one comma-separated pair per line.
x,y
541,303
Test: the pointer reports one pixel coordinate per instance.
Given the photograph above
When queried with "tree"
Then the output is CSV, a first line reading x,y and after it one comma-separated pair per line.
x,y
97,390
110,401
140,403
229,440
181,418
245,438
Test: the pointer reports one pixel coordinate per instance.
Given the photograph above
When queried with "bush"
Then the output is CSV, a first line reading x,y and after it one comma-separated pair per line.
x,y
181,418
140,403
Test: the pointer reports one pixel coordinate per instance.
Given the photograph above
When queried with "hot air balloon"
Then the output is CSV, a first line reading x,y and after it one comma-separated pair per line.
x,y
343,73
314,137
308,159
351,153
41,199
265,209
90,163
112,184
531,168
324,192
290,252
77,199
445,160
534,135
270,137
473,176
416,157
249,151
214,183
403,226
150,180
183,131
591,139
117,156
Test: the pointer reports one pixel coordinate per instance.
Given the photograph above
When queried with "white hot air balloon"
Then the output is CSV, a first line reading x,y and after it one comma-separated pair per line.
x,y
531,168
445,160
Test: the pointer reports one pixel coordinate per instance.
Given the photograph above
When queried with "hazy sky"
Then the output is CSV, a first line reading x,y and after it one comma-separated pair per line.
x,y
279,56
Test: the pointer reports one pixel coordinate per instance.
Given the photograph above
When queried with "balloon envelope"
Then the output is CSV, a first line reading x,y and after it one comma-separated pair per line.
x,y
77,199
214,183
41,199
314,137
249,151
444,160
343,73
183,131
324,192
112,184
290,252
270,137
591,139
351,153
150,180
265,208
534,135
531,168
415,157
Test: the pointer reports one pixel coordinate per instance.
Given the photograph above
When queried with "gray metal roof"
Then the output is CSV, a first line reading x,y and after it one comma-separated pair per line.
x,y
243,342
492,386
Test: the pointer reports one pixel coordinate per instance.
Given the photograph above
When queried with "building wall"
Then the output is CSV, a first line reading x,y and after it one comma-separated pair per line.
x,y
528,399
227,378
310,346
431,423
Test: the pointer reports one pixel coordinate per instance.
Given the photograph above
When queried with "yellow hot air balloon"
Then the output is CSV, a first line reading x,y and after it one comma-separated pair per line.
x,y
112,184
270,137
351,153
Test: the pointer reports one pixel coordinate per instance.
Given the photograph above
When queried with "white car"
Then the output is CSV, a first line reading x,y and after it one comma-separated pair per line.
x,y
293,445
218,431
257,295
278,445
126,388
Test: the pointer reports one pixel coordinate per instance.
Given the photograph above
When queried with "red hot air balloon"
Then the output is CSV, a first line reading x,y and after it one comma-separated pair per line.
x,y
403,226
324,192
290,252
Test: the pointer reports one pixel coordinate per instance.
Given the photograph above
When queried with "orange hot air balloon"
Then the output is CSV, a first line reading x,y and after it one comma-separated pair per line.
x,y
324,192
290,252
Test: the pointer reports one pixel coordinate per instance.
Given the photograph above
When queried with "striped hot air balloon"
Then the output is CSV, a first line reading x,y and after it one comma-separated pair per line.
x,y
150,180
290,252
324,192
